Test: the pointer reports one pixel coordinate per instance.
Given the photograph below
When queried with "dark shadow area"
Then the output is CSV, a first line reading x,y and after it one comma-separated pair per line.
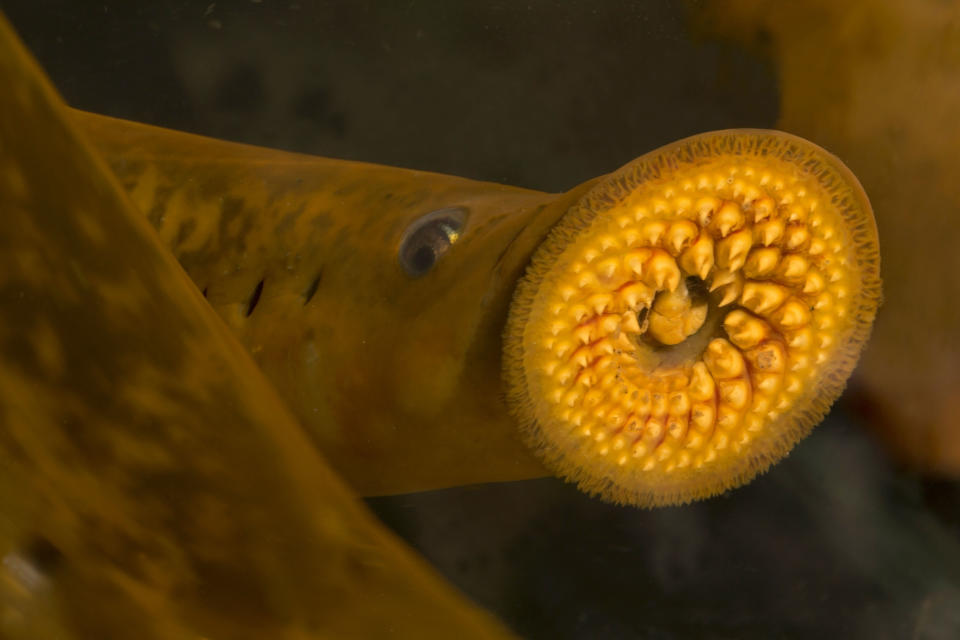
x,y
833,542
534,94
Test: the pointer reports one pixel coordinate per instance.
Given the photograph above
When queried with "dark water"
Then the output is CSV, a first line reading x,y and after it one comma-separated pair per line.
x,y
833,542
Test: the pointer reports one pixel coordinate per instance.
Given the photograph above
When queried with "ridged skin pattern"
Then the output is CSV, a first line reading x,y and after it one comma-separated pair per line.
x,y
693,317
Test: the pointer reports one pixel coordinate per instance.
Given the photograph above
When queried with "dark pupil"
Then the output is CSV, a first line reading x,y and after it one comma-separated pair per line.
x,y
423,258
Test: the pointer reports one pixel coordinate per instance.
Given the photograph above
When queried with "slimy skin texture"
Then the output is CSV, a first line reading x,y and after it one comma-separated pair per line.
x,y
693,316
152,483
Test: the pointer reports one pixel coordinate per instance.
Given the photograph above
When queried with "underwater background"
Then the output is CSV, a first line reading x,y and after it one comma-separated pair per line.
x,y
840,539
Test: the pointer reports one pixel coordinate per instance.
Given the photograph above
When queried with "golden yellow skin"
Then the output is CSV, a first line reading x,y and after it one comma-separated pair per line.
x,y
645,393
152,484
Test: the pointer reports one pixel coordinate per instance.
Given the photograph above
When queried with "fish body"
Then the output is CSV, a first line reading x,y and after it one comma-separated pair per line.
x,y
394,369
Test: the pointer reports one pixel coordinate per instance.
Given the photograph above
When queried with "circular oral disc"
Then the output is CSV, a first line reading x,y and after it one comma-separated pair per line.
x,y
693,316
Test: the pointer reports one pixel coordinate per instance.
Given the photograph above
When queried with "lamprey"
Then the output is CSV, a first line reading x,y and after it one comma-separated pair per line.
x,y
684,321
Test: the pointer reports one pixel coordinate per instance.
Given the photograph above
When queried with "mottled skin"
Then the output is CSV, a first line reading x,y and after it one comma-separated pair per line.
x,y
152,484
397,379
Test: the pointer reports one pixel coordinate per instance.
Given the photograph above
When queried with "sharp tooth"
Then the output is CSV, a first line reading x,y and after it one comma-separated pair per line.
x,y
763,208
768,358
729,218
661,272
608,323
697,259
636,295
732,251
770,232
608,268
792,315
795,237
702,415
817,247
745,330
735,393
653,231
797,213
762,297
635,259
814,283
799,362
658,407
679,404
732,290
766,383
701,383
722,278
761,262
600,302
800,340
628,322
706,208
793,267
723,360
581,356
639,449
727,417
680,235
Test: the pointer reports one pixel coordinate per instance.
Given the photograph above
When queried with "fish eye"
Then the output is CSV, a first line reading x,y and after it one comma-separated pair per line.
x,y
429,237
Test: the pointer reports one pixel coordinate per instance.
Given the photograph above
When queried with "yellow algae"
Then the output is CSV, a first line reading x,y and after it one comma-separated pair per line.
x,y
734,409
152,483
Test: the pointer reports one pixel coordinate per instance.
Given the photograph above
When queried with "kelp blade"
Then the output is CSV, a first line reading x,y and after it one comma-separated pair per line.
x,y
152,485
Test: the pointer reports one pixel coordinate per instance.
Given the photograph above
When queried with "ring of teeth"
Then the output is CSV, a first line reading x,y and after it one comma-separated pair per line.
x,y
633,392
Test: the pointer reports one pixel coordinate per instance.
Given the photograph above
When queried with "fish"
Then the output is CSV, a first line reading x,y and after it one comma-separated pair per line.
x,y
152,483
738,281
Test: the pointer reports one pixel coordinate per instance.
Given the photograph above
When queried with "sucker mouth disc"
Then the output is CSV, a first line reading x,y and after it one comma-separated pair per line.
x,y
781,236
